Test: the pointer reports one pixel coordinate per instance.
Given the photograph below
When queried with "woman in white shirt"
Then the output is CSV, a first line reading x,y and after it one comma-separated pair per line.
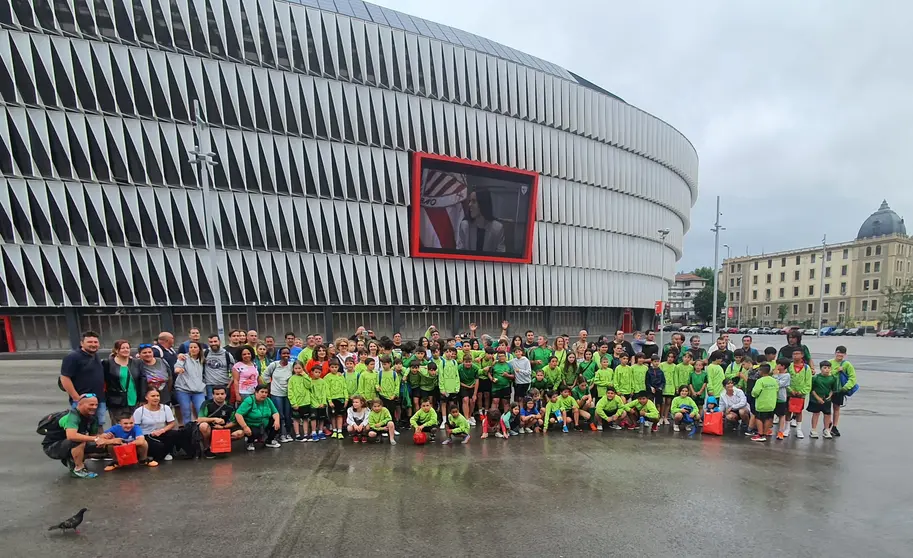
x,y
157,424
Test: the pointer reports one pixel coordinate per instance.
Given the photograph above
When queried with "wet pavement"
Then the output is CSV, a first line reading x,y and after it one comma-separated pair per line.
x,y
602,494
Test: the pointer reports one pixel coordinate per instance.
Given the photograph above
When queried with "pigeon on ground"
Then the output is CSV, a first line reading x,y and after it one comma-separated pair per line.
x,y
71,523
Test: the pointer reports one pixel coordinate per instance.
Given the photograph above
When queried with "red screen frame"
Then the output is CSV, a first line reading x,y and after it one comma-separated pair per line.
x,y
415,242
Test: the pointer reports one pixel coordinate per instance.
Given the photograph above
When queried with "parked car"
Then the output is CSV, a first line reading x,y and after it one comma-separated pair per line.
x,y
884,333
838,331
826,330
900,332
753,331
732,330
707,329
855,331
811,332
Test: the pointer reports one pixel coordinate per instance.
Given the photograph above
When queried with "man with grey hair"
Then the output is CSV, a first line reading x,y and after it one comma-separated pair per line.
x,y
581,340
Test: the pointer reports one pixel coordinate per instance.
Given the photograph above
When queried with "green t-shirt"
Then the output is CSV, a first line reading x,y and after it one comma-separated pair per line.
x,y
469,376
698,379
580,393
126,384
825,385
542,354
83,425
588,370
256,414
498,370
765,394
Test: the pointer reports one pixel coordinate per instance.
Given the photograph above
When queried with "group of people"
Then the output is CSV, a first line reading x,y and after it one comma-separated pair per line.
x,y
366,389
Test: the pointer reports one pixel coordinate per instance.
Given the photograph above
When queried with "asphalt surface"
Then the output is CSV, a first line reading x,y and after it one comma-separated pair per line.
x,y
603,494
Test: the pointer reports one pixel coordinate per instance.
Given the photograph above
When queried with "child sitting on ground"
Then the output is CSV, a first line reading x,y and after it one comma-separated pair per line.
x,y
683,406
357,419
127,431
530,416
457,426
608,407
555,413
425,419
641,407
380,420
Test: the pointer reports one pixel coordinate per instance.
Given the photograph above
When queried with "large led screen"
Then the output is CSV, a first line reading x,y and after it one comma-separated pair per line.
x,y
469,210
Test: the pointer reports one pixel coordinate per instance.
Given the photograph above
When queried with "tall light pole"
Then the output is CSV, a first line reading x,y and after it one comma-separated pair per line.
x,y
716,261
821,285
662,295
202,158
726,283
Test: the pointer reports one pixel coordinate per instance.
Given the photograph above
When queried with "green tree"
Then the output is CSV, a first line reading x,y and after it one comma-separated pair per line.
x,y
897,300
705,273
782,312
703,302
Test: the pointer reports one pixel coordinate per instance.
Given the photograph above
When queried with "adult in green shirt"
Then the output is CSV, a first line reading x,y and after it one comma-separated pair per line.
x,y
259,419
540,356
124,380
76,436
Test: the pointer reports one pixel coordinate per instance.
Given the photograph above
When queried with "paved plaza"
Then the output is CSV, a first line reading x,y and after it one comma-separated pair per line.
x,y
612,493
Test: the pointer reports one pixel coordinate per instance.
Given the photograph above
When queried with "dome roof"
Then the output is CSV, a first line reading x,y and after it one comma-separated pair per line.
x,y
883,222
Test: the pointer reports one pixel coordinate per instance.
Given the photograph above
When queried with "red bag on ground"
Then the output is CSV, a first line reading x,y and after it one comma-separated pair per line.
x,y
126,454
220,442
420,438
796,404
713,424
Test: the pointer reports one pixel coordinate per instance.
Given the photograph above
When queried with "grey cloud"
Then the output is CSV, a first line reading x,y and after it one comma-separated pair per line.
x,y
800,111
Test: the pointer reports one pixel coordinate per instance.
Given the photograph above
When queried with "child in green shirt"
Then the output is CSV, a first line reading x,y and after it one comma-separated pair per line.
x,y
715,374
698,383
642,406
670,388
299,397
553,374
569,405
607,409
337,398
684,369
605,377
389,380
765,394
469,384
368,384
351,376
414,379
425,419
555,412
824,386
800,384
319,415
456,425
839,365
502,374
639,373
380,421
539,382
624,378
680,408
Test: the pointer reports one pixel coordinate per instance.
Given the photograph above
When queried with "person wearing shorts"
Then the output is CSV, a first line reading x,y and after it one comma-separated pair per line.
x,y
824,386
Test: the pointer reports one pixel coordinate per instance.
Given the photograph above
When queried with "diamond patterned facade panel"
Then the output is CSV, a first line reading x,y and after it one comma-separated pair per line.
x,y
312,111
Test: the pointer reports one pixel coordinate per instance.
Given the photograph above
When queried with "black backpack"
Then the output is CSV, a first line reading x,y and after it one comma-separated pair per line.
x,y
50,424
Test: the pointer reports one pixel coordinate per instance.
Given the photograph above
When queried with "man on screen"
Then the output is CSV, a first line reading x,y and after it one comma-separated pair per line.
x,y
480,232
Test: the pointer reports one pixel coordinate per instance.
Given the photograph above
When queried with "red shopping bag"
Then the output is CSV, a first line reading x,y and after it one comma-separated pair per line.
x,y
126,454
713,424
796,404
221,441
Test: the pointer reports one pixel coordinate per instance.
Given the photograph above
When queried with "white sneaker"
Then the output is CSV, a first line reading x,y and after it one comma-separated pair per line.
x,y
250,447
385,435
676,428
827,433
498,435
688,428
785,433
392,441
792,423
169,457
472,421
776,420
273,444
443,425
396,432
812,434
799,433
599,428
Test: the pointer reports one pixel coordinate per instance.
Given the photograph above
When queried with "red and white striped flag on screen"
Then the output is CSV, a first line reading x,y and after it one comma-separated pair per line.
x,y
442,199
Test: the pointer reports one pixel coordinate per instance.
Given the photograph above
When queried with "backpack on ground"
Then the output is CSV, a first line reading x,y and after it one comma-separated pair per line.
x,y
51,423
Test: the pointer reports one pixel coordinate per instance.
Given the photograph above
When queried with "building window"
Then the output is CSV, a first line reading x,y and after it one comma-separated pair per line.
x,y
865,305
843,271
875,284
766,294
811,290
731,268
770,263
868,267
826,307
754,280
732,282
827,288
754,311
796,275
841,307
754,294
795,291
897,282
795,309
782,276
814,257
865,285
846,253
738,268
827,272
782,292
811,308
843,288
767,310
877,253
828,255
874,305
798,260
768,278
868,251
811,273
877,267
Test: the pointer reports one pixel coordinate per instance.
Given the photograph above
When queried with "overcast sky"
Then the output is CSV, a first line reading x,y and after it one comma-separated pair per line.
x,y
801,112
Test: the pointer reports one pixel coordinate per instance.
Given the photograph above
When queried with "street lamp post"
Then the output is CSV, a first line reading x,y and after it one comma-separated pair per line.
x,y
821,285
662,295
726,284
716,262
202,158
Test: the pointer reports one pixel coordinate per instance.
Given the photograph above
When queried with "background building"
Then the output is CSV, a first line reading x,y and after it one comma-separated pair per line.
x,y
681,297
313,111
854,276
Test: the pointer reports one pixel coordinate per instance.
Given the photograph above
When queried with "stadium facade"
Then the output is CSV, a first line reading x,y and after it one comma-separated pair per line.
x,y
313,111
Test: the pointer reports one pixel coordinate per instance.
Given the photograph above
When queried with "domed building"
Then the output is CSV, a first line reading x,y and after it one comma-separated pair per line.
x,y
859,277
884,222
